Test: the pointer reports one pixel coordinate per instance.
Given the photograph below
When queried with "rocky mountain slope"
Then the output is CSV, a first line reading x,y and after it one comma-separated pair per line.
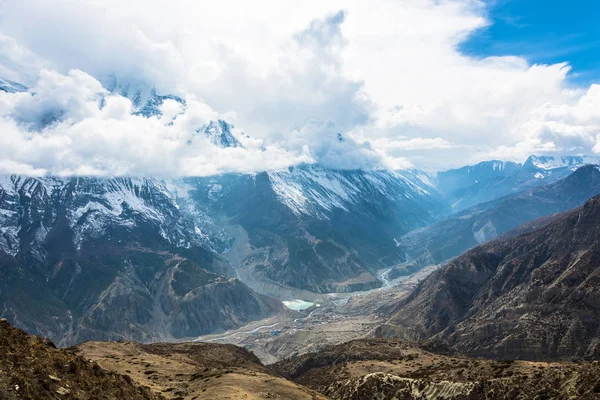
x,y
471,185
32,368
394,369
453,180
457,233
317,229
534,296
149,259
87,258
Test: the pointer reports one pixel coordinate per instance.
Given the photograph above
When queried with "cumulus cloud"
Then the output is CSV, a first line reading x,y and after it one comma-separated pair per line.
x,y
70,125
324,142
57,98
386,75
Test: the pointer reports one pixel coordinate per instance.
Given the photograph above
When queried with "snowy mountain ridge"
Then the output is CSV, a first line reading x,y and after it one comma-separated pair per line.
x,y
92,208
313,190
93,205
546,163
220,134
474,184
147,103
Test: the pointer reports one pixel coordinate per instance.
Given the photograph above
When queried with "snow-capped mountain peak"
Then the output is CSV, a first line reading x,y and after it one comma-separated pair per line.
x,y
220,134
96,207
152,106
144,98
555,162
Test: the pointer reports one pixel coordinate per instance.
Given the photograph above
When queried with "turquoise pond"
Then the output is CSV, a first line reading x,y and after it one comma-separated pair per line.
x,y
297,304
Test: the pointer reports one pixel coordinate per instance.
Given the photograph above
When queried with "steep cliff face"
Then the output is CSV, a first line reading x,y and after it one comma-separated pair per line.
x,y
533,296
457,233
90,258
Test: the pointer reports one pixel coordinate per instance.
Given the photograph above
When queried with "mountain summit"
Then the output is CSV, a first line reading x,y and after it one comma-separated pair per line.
x,y
219,134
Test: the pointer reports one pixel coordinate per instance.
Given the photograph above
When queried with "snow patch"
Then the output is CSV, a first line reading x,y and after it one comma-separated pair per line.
x,y
316,191
554,162
485,233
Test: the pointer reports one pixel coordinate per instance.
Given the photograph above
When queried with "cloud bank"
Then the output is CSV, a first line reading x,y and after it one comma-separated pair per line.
x,y
71,125
387,76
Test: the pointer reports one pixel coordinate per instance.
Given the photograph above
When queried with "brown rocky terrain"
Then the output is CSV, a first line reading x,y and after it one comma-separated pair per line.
x,y
195,370
533,296
395,369
33,368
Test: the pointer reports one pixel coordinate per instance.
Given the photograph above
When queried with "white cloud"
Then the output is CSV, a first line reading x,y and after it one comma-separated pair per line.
x,y
324,142
17,62
386,74
572,127
12,167
58,97
69,125
416,143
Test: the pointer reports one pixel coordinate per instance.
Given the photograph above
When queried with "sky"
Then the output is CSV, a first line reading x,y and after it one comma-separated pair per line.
x,y
429,84
544,32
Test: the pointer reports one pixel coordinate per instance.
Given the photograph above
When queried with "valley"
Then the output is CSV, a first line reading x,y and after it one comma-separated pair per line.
x,y
187,258
336,319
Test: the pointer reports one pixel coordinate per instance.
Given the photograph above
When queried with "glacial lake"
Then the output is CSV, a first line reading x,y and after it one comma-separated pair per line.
x,y
297,304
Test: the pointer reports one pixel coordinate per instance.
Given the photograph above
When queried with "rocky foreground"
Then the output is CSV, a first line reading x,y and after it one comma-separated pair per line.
x,y
32,368
395,369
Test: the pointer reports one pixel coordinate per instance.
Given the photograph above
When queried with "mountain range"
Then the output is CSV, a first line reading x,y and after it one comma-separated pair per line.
x,y
193,256
529,296
76,252
471,185
133,271
85,258
459,232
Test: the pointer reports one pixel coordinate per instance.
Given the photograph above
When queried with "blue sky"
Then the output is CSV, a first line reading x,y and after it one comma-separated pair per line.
x,y
543,31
